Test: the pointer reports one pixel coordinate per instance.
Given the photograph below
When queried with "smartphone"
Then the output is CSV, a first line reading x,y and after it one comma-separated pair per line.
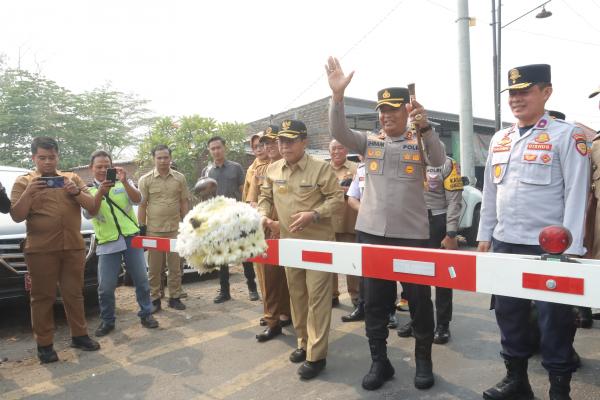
x,y
111,174
54,181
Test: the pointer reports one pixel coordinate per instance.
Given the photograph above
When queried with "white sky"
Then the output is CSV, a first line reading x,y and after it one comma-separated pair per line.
x,y
237,60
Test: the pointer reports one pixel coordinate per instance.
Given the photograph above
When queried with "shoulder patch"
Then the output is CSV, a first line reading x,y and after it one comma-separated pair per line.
x,y
453,181
580,143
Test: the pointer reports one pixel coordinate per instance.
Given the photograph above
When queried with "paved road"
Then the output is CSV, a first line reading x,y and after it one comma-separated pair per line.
x,y
209,352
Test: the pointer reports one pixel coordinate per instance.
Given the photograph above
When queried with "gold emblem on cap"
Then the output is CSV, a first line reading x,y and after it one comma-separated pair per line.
x,y
513,75
386,95
286,124
269,130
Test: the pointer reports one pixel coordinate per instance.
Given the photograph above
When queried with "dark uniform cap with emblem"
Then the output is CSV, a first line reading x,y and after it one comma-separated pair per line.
x,y
292,129
270,133
394,96
527,75
557,115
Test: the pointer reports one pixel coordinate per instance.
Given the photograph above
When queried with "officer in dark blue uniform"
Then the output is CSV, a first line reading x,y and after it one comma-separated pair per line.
x,y
536,175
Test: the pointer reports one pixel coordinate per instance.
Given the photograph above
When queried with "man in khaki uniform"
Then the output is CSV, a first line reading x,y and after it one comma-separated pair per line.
x,y
273,283
165,202
344,221
305,194
50,202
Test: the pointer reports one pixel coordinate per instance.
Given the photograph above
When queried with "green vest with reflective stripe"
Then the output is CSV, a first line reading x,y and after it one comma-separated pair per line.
x,y
104,223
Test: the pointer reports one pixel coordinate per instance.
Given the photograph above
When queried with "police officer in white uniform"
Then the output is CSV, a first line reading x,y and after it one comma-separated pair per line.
x,y
536,175
392,212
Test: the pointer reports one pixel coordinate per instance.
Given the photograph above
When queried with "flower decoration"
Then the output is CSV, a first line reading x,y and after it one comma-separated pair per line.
x,y
220,231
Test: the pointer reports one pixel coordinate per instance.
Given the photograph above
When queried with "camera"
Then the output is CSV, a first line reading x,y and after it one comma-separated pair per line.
x,y
54,181
111,174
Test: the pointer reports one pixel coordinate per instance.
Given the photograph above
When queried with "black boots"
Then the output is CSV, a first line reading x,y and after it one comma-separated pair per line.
x,y
560,387
381,368
424,371
515,384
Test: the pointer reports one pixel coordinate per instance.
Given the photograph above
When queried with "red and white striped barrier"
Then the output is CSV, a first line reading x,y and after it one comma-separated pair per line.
x,y
576,283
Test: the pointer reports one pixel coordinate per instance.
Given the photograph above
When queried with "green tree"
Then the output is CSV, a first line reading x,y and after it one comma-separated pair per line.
x,y
187,138
31,105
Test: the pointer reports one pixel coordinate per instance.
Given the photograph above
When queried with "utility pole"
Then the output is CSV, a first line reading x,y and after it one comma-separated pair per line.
x,y
466,104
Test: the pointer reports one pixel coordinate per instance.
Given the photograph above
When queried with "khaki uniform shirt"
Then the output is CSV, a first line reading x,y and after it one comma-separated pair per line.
x,y
592,235
249,175
309,185
54,219
162,196
344,221
393,204
256,181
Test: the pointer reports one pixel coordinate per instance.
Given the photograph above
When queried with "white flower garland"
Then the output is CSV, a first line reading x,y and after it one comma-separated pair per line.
x,y
220,231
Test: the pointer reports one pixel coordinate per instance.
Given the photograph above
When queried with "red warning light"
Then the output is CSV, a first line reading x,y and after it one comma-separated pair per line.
x,y
555,239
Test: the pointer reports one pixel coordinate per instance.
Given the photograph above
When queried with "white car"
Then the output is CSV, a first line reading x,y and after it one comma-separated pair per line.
x,y
469,217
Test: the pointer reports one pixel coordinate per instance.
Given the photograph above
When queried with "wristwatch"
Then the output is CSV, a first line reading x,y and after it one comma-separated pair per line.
x,y
451,234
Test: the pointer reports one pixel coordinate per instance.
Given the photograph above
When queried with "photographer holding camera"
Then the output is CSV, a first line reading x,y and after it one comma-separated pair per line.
x,y
51,201
115,224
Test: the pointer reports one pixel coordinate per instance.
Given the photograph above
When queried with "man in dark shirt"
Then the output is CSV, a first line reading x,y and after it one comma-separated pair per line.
x,y
230,179
4,200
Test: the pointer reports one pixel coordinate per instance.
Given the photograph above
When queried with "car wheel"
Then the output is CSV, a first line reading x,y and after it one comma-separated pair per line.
x,y
471,233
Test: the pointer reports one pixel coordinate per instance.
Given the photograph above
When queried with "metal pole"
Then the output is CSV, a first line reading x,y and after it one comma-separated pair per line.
x,y
499,66
466,105
495,66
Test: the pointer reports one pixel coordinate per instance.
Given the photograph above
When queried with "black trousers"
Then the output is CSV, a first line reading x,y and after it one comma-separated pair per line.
x,y
443,296
380,297
556,323
248,273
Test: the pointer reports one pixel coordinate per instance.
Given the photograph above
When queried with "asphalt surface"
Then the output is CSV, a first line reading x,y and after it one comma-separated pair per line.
x,y
209,352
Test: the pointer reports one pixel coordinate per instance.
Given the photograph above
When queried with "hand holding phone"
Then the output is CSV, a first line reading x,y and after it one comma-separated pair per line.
x,y
53,181
111,174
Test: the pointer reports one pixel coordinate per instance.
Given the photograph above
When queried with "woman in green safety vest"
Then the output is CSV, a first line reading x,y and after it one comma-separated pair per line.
x,y
115,224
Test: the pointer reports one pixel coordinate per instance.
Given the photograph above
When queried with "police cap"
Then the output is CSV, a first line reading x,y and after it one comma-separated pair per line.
x,y
527,75
394,96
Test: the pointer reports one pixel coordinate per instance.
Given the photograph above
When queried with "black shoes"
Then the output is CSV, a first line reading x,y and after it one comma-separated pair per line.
x,y
357,315
156,306
560,387
298,355
515,385
46,354
269,334
310,369
441,334
335,302
84,343
176,304
380,372
104,329
262,322
406,330
149,322
253,296
222,297
285,322
424,373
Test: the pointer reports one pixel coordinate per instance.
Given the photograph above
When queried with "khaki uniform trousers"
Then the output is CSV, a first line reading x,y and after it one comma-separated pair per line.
x,y
156,261
310,298
275,294
352,282
65,267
